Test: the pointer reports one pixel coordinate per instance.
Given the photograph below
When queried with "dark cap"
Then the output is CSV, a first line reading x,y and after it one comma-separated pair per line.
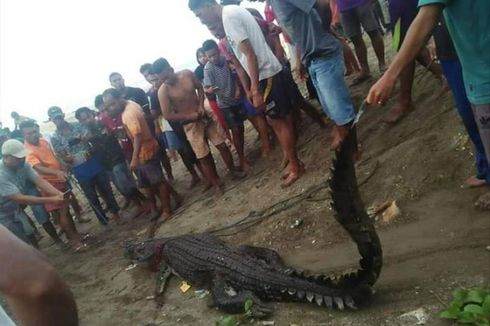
x,y
54,111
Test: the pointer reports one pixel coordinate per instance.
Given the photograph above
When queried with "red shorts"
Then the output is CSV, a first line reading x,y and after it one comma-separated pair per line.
x,y
61,186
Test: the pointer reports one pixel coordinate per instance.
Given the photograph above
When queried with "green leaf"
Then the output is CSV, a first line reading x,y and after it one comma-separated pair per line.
x,y
486,305
473,308
475,296
446,314
459,294
248,305
227,321
466,317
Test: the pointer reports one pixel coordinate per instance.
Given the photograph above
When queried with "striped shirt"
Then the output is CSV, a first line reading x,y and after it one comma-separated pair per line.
x,y
222,77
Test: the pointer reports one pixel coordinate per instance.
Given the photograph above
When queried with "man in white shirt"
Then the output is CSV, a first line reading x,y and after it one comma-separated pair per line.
x,y
266,87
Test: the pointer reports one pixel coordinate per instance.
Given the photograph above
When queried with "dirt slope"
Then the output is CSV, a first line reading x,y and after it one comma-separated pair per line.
x,y
436,245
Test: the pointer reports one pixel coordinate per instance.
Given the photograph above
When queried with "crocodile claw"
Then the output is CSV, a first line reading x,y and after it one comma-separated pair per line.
x,y
261,310
339,303
328,302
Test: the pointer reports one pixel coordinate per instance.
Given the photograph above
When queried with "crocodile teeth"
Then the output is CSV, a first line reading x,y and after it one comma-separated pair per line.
x,y
301,294
328,302
339,303
283,290
291,291
349,302
318,299
310,296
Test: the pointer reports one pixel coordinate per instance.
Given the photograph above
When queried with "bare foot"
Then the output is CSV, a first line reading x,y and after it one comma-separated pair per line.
x,y
207,186
284,163
219,191
338,135
396,114
301,171
474,182
484,201
292,177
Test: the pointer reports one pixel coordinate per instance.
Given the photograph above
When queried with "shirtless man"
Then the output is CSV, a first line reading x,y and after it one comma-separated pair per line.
x,y
181,98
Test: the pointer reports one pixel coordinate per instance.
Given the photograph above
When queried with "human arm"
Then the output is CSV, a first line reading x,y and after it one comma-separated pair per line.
x,y
137,140
253,68
34,291
200,95
300,67
417,35
242,76
47,187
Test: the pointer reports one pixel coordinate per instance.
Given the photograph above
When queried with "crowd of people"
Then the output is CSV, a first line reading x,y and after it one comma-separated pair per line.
x,y
134,136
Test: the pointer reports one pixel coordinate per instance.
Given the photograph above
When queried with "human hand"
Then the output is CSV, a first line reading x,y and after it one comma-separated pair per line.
x,y
258,101
134,164
67,158
274,29
301,71
62,175
58,199
381,91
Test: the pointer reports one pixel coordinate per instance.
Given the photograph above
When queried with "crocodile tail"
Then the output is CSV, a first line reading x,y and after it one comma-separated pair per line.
x,y
351,214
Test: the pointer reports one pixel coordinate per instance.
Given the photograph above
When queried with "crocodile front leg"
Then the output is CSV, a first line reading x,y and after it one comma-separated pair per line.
x,y
164,274
235,304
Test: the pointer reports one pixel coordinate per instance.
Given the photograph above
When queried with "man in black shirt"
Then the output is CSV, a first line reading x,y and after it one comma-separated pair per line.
x,y
106,149
130,93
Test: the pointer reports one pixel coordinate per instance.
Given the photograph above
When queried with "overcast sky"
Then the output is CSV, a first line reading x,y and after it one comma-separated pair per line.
x,y
59,52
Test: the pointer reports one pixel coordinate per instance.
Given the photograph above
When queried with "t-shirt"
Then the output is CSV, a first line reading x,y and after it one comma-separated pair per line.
x,y
135,124
116,128
220,75
350,4
240,25
469,25
69,141
139,96
304,26
42,154
13,182
105,147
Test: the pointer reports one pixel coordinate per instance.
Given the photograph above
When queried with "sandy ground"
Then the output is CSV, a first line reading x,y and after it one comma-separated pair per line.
x,y
437,244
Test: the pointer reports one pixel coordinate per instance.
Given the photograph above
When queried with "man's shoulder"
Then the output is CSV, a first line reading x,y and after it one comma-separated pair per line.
x,y
135,90
234,12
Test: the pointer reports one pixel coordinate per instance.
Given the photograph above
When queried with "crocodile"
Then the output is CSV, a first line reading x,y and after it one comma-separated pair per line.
x,y
235,274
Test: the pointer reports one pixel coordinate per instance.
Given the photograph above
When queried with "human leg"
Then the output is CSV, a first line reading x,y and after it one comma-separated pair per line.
x,y
67,225
327,75
379,49
284,134
482,118
42,216
209,170
405,99
103,184
454,75
352,28
88,187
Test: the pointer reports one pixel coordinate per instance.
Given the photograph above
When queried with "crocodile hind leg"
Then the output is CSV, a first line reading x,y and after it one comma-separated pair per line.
x,y
235,304
164,274
268,256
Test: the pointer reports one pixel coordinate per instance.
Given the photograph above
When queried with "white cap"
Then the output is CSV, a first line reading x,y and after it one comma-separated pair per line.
x,y
15,148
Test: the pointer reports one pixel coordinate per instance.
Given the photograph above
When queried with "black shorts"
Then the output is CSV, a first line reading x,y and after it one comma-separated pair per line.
x,y
234,116
150,173
276,96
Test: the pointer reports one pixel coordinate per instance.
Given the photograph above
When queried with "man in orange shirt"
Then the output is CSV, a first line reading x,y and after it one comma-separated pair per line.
x,y
41,157
145,160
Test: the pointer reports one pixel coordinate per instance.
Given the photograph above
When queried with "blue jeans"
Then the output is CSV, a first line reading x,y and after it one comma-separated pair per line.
x,y
40,213
327,75
101,183
454,75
